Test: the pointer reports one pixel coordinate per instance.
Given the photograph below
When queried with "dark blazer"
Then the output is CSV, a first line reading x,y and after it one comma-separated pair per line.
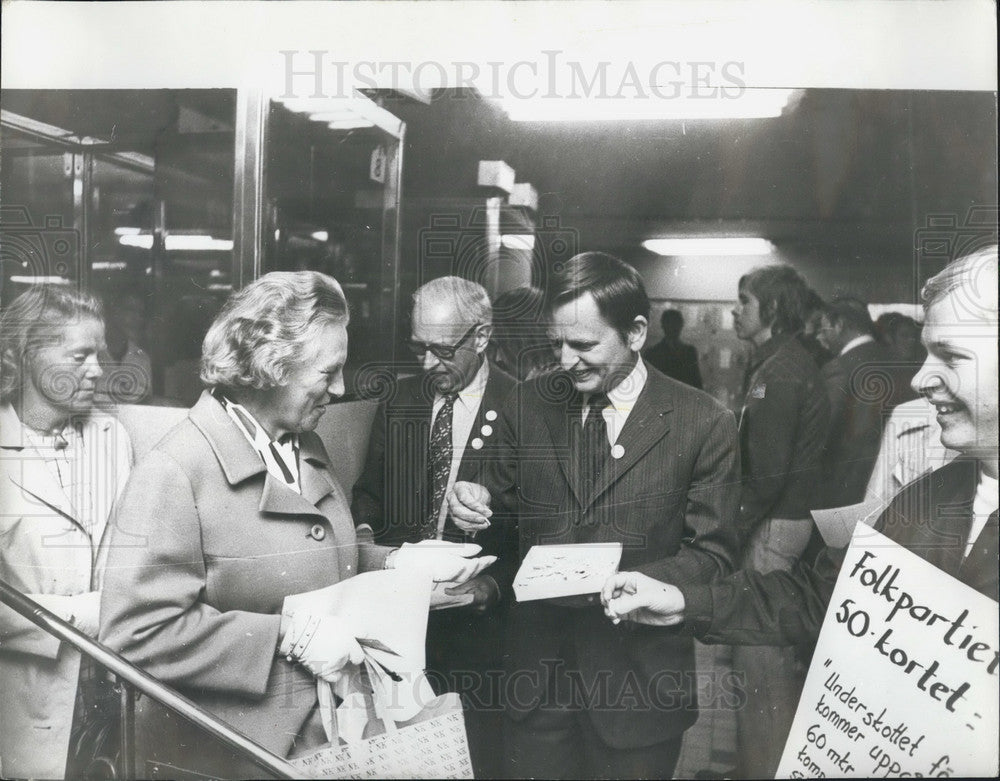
x,y
206,546
783,428
679,361
392,493
671,499
931,517
861,391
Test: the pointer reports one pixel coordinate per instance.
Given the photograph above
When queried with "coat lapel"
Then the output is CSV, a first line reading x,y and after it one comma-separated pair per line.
x,y
647,424
556,414
498,386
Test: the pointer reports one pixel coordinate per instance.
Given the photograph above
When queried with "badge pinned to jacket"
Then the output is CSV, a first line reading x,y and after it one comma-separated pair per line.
x,y
758,391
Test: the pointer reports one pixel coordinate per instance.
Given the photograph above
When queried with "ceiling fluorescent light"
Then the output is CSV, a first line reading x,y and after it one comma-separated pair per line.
x,y
320,235
710,246
333,116
183,243
750,104
350,124
518,241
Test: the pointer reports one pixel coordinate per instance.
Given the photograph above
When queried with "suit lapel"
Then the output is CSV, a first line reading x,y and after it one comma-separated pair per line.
x,y
647,424
498,386
557,419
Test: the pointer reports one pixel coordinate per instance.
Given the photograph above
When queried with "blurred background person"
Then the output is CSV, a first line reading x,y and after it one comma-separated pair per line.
x,y
783,427
812,321
672,356
238,510
127,370
519,344
901,337
860,384
62,466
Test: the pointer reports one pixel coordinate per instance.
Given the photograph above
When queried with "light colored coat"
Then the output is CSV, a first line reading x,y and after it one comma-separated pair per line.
x,y
207,546
44,549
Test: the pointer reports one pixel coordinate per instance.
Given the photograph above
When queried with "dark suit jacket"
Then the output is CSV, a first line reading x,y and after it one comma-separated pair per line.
x,y
671,499
930,517
678,361
783,428
861,391
391,495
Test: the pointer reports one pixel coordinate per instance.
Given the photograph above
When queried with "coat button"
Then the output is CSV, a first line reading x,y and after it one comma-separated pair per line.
x,y
318,533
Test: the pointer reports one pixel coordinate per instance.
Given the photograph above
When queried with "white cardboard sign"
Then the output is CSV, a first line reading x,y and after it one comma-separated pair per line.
x,y
904,679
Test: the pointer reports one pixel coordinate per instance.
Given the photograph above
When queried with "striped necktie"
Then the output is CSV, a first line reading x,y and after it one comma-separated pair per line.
x,y
439,462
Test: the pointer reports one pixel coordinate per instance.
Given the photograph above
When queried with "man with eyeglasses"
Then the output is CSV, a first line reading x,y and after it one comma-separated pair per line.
x,y
431,430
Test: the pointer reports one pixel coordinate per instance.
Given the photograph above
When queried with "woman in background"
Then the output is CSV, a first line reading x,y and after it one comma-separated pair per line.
x,y
62,466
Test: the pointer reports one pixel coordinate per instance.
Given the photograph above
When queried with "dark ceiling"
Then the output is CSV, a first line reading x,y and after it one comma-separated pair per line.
x,y
849,171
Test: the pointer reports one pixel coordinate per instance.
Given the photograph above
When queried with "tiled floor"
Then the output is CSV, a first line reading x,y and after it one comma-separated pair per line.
x,y
711,743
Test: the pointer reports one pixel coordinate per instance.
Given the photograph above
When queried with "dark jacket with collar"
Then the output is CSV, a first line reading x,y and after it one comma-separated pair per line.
x,y
931,517
861,391
392,493
783,428
205,548
670,499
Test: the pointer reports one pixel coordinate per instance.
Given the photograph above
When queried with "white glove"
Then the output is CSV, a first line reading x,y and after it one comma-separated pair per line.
x,y
324,645
83,611
442,560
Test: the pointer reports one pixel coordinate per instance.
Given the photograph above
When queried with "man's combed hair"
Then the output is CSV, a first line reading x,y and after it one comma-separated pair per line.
x,y
265,329
976,275
34,320
783,294
852,313
616,287
469,299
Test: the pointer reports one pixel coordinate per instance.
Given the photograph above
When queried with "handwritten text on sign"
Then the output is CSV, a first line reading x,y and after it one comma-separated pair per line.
x,y
904,680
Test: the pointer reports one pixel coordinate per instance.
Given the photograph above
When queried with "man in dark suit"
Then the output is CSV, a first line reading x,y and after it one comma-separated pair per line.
x,y
947,517
608,450
432,429
859,381
672,356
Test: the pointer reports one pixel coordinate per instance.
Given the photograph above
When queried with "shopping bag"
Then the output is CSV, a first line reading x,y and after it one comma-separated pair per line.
x,y
432,744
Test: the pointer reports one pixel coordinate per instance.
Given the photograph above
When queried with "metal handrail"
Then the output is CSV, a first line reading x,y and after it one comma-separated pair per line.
x,y
148,685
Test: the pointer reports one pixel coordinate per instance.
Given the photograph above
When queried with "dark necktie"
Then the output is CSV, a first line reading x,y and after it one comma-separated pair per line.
x,y
439,462
593,449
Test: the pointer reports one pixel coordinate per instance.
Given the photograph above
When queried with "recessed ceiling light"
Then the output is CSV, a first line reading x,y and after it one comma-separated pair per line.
x,y
710,245
748,104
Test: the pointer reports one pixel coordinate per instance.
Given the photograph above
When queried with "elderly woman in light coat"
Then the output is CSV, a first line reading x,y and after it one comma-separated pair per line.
x,y
62,465
235,510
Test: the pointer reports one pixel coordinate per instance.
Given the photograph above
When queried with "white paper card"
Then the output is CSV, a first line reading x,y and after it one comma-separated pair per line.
x,y
550,571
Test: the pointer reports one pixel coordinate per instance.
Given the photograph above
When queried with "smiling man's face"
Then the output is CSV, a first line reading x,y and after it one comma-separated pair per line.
x,y
595,354
959,377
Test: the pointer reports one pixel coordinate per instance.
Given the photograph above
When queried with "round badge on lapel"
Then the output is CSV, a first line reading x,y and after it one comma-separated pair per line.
x,y
477,444
491,415
617,451
487,430
317,532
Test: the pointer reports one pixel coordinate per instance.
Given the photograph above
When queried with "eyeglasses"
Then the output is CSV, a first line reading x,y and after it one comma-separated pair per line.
x,y
443,352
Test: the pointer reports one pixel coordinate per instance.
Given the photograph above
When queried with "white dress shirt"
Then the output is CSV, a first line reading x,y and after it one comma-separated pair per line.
x,y
622,397
857,341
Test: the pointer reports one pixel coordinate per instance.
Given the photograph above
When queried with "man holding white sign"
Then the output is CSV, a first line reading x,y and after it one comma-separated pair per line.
x,y
948,518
